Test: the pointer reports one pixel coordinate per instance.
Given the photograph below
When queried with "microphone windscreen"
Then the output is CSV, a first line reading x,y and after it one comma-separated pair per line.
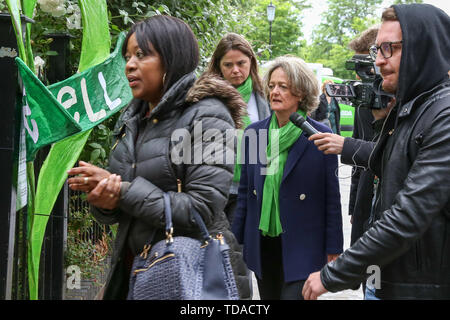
x,y
300,122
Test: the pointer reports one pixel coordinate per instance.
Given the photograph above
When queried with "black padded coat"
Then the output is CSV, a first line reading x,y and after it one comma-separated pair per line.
x,y
145,155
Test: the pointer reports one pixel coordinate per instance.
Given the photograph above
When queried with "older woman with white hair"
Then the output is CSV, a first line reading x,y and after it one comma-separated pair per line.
x,y
288,214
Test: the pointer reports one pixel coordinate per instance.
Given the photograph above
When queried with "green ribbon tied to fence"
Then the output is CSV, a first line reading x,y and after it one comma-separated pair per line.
x,y
74,105
64,114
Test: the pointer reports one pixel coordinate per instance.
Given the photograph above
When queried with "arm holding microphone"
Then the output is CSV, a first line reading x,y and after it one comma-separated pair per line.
x,y
329,143
353,151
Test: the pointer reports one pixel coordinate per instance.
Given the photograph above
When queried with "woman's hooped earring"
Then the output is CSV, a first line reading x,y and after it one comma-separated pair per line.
x,y
164,78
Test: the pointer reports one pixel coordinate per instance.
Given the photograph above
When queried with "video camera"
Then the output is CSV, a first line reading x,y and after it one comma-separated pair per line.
x,y
366,93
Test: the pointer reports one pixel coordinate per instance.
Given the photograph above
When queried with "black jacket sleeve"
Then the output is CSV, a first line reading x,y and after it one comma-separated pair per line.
x,y
356,152
424,195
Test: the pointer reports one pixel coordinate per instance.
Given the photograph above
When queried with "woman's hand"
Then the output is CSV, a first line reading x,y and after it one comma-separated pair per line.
x,y
88,177
106,194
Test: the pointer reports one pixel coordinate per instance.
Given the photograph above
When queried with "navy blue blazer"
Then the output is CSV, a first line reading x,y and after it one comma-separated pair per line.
x,y
310,204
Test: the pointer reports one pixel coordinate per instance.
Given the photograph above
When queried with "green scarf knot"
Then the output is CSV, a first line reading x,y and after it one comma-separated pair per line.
x,y
285,137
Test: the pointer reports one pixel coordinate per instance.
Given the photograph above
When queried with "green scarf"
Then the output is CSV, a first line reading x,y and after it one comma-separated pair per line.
x,y
245,89
270,224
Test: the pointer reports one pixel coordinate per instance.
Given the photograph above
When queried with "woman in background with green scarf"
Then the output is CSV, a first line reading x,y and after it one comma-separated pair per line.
x,y
235,61
288,215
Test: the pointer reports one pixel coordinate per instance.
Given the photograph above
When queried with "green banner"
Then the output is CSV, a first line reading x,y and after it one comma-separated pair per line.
x,y
28,8
63,154
76,104
44,119
21,179
14,8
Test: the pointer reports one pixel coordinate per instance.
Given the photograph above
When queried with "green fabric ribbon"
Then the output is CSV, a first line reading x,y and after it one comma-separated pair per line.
x,y
64,153
245,89
285,136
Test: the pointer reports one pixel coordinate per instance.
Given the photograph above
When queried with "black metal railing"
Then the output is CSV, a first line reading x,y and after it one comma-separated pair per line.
x,y
20,270
64,243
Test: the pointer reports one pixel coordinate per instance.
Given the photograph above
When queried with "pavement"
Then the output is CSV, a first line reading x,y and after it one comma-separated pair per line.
x,y
344,184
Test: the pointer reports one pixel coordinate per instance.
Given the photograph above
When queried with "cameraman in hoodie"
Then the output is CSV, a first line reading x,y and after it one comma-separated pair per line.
x,y
409,239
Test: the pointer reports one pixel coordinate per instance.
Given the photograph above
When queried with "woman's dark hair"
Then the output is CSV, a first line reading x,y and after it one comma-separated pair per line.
x,y
174,41
233,41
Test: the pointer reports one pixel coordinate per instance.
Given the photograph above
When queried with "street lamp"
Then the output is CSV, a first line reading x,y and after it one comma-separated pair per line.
x,y
270,17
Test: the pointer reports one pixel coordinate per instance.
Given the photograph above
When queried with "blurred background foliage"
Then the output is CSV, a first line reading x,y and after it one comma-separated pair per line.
x,y
210,20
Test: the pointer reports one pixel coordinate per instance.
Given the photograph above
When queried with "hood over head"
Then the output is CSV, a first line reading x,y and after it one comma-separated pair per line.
x,y
425,60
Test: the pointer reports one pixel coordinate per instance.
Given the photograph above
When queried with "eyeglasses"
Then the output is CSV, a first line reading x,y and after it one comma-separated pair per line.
x,y
384,47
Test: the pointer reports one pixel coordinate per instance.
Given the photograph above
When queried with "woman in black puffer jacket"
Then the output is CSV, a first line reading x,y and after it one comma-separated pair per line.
x,y
169,109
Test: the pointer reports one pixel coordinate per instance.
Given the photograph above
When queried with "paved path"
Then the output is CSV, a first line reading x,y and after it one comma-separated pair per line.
x,y
345,172
344,182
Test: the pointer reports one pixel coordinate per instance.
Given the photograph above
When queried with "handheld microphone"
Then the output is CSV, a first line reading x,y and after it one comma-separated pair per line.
x,y
300,122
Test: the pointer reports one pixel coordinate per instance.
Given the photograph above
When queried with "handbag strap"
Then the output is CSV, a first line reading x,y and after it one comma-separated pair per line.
x,y
169,226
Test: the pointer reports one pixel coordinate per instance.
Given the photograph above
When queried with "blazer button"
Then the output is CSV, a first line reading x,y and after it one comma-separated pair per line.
x,y
302,196
254,192
155,121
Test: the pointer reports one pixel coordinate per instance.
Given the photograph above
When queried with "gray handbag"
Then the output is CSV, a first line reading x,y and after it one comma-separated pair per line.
x,y
183,268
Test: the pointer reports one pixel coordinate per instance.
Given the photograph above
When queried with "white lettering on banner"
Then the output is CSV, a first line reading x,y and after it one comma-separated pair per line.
x,y
27,112
22,186
69,102
111,104
93,117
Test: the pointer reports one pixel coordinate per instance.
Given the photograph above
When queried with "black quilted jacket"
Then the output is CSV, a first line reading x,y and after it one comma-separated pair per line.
x,y
144,156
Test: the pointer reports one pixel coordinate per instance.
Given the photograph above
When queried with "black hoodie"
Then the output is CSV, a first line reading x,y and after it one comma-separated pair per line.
x,y
409,238
425,58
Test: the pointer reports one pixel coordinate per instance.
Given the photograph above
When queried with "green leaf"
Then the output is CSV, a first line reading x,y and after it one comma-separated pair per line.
x,y
95,154
115,28
51,53
95,145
